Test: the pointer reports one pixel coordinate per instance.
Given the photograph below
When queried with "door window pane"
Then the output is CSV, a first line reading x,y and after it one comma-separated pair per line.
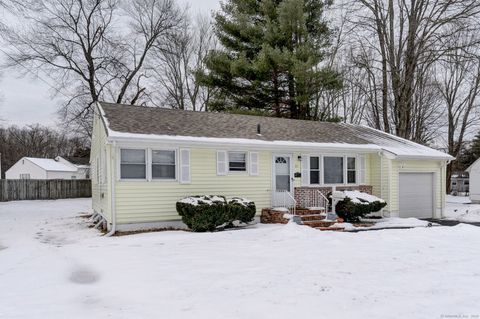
x,y
333,170
282,173
132,164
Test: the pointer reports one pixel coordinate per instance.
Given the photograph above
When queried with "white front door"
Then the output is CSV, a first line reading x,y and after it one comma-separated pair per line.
x,y
282,181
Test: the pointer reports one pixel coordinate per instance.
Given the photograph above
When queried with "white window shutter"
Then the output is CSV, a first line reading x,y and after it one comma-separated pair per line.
x,y
361,170
305,170
221,163
185,176
253,163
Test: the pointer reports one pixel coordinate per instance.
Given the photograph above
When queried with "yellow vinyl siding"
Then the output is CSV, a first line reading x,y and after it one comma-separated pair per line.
x,y
420,166
101,202
373,173
154,201
384,177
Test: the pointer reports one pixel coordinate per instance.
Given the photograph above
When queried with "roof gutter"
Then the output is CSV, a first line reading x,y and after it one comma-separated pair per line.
x,y
447,158
232,142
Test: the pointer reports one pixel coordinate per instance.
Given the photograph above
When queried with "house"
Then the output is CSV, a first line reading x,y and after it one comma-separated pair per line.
x,y
46,168
474,171
459,183
146,159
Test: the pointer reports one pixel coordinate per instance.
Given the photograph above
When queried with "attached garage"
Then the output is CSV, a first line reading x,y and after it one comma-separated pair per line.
x,y
416,195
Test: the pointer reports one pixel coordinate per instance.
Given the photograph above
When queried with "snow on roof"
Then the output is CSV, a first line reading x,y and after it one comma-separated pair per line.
x,y
49,164
396,145
133,122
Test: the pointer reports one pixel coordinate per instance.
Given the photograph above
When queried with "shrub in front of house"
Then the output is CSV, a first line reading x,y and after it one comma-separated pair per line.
x,y
208,213
356,205
241,209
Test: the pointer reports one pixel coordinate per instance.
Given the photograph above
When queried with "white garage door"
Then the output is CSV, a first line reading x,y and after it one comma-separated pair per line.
x,y
416,195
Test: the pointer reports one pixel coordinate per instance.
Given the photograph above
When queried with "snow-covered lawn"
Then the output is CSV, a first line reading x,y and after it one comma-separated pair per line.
x,y
52,266
460,208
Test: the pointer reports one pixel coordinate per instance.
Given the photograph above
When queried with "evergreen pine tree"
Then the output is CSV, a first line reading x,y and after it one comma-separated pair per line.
x,y
271,56
476,146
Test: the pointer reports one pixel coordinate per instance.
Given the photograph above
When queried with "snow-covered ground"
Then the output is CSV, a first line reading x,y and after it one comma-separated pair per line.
x,y
460,208
52,266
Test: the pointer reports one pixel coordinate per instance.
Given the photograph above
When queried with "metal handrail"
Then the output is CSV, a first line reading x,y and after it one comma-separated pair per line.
x,y
294,201
287,205
325,200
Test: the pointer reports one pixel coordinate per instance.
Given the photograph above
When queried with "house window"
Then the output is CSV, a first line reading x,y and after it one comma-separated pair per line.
x,y
351,170
314,170
163,164
333,170
132,164
237,161
74,177
24,176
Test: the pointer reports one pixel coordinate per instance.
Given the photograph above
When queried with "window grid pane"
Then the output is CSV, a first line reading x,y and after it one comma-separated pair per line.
x,y
314,170
163,164
351,170
132,164
132,156
333,170
237,161
163,157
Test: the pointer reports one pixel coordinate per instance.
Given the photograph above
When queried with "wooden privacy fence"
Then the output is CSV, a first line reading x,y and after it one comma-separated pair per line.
x,y
29,189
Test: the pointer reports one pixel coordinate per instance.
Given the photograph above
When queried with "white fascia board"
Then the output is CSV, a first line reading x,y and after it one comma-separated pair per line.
x,y
192,141
426,157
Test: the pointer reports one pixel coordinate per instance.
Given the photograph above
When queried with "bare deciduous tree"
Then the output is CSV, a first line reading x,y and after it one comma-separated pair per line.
x,y
94,49
458,80
411,35
180,60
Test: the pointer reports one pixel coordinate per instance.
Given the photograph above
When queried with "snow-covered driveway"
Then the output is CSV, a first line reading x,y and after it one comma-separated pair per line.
x,y
51,266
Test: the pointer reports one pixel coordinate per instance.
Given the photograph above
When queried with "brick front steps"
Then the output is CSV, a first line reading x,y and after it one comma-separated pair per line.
x,y
306,211
310,218
319,223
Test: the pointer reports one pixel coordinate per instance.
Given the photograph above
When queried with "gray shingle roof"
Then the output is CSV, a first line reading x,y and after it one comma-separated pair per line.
x,y
161,121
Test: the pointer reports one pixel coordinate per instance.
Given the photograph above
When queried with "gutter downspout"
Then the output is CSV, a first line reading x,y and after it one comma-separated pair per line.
x,y
381,177
112,176
443,176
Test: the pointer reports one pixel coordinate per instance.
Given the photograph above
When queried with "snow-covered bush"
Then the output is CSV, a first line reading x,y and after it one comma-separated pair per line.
x,y
357,204
207,213
241,209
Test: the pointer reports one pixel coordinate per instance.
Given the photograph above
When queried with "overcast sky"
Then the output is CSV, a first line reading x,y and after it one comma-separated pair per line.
x,y
24,100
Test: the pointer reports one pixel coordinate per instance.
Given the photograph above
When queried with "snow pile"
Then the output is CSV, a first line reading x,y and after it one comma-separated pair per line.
x,y
346,226
400,222
362,198
460,208
205,199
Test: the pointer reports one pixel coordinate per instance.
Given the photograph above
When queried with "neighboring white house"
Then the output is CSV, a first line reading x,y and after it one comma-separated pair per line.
x,y
474,171
46,168
146,159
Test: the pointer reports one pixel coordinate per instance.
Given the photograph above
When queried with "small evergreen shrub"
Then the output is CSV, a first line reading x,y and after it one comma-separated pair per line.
x,y
241,209
208,213
352,210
